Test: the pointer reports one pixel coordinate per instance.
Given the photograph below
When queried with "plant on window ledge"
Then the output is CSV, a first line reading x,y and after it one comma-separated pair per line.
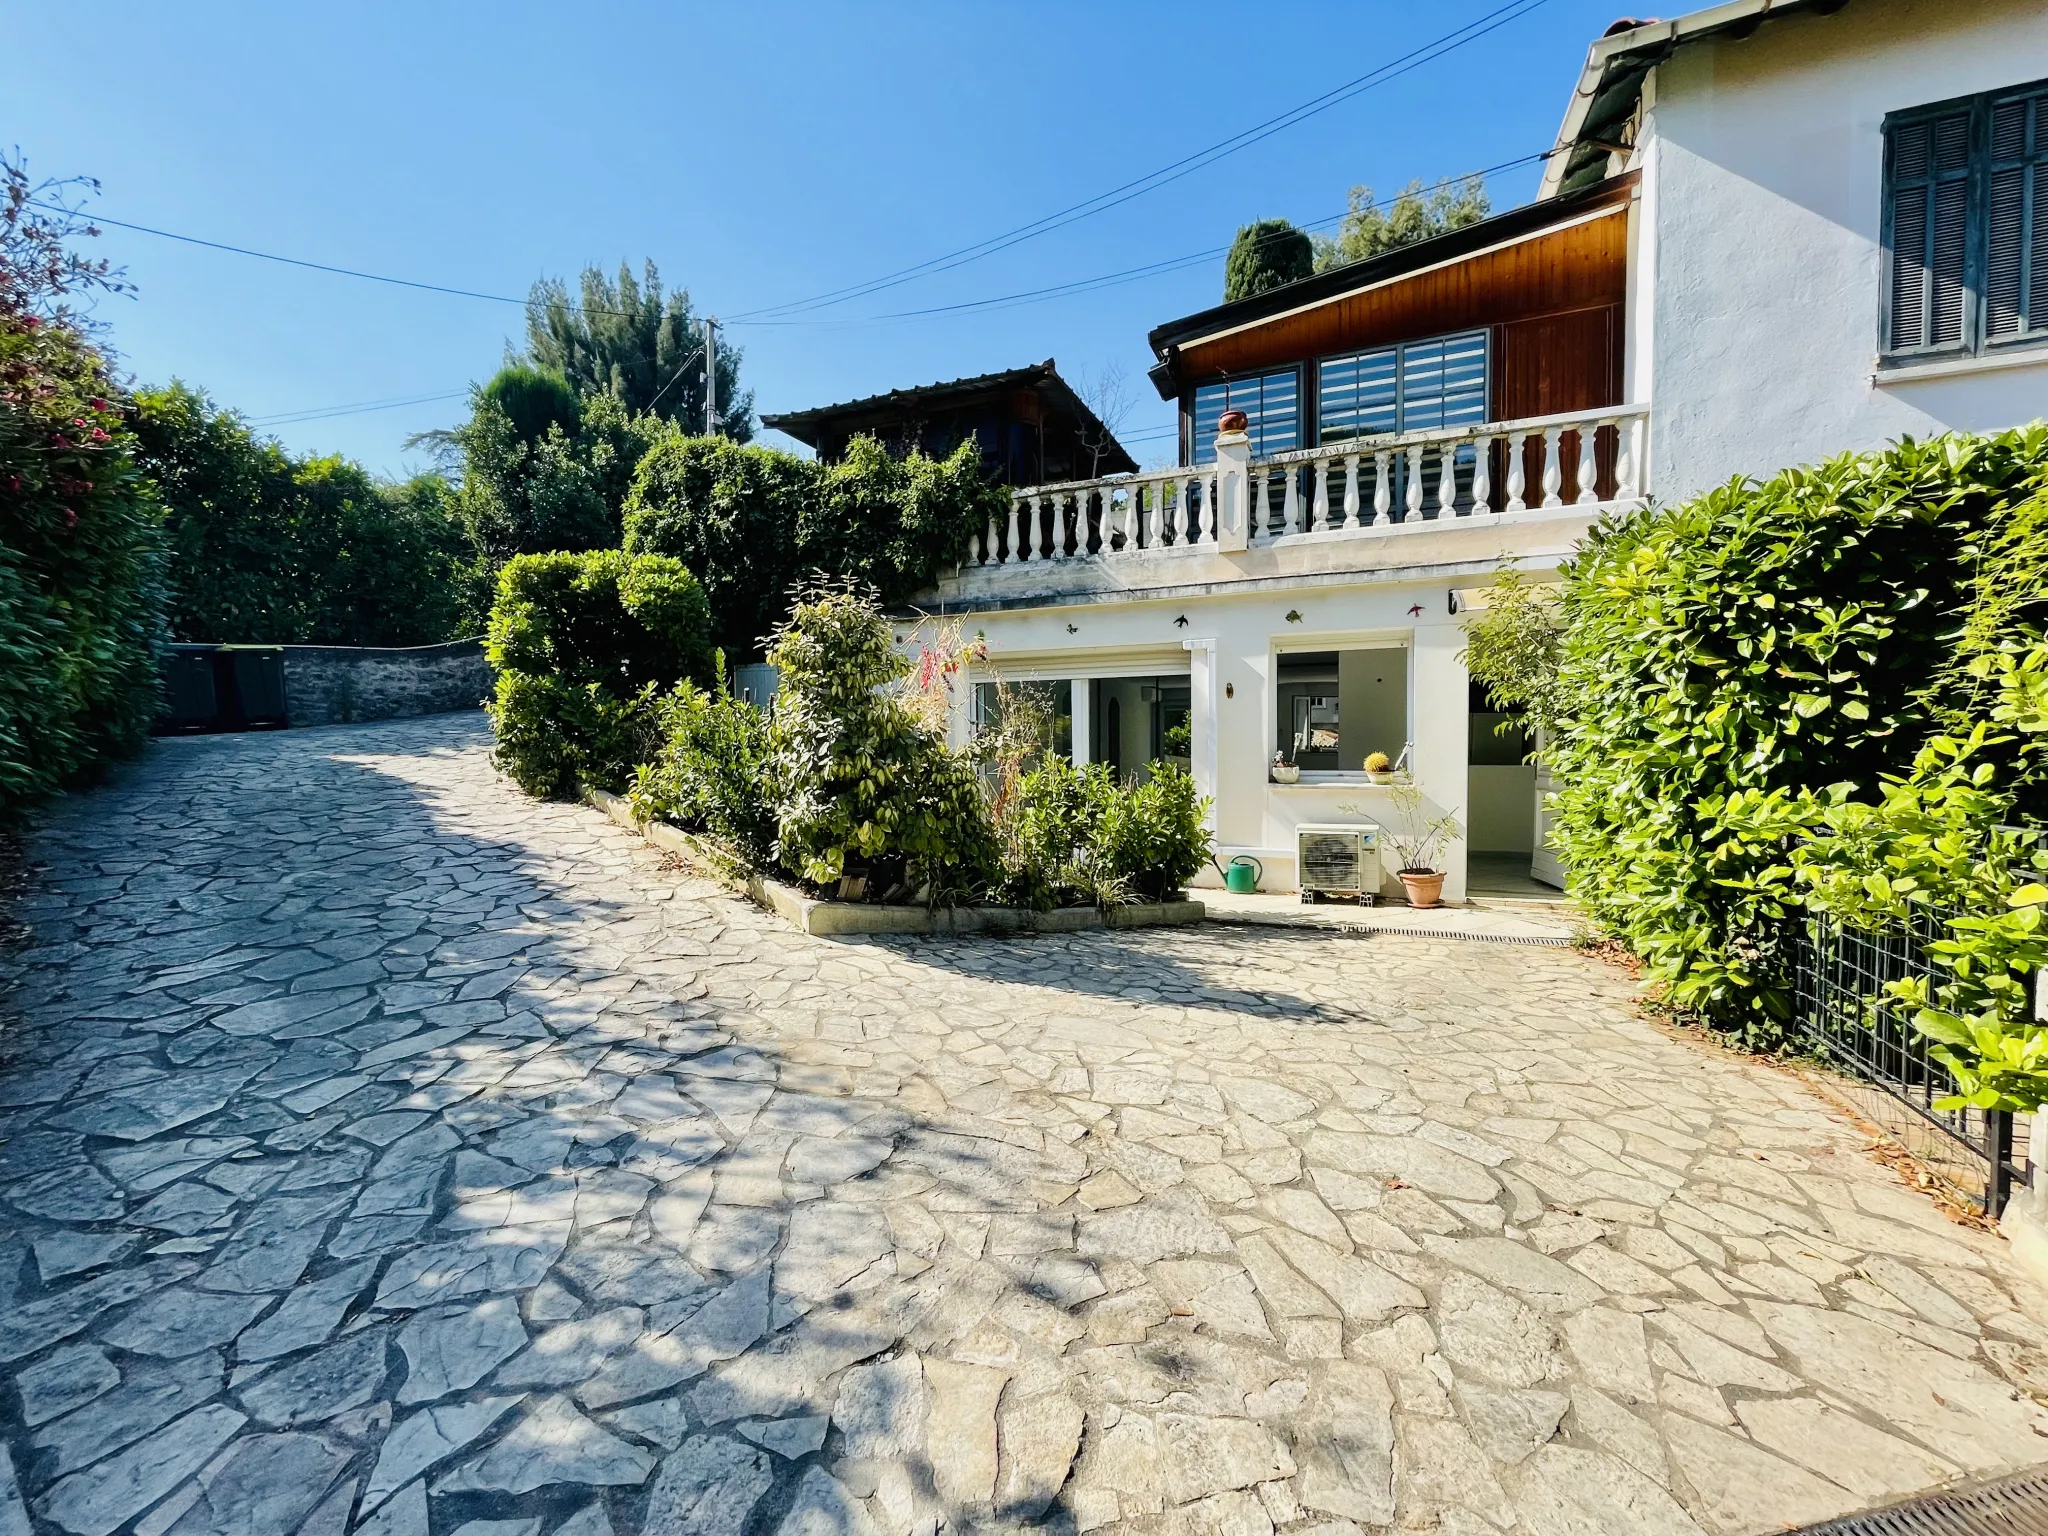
x,y
1379,768
1285,772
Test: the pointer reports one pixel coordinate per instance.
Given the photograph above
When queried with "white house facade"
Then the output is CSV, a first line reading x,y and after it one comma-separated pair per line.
x,y
1770,232
1836,229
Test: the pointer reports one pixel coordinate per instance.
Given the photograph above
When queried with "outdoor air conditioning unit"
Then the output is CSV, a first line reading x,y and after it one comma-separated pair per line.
x,y
1336,860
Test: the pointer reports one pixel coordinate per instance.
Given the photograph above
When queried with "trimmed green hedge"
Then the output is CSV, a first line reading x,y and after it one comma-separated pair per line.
x,y
583,644
80,566
1782,636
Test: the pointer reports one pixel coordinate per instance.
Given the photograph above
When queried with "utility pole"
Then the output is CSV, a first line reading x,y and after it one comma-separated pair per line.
x,y
710,376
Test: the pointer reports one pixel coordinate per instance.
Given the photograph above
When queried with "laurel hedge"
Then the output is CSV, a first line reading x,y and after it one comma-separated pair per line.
x,y
1732,657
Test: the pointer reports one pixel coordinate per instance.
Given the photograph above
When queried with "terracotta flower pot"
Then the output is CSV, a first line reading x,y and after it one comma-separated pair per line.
x,y
1425,888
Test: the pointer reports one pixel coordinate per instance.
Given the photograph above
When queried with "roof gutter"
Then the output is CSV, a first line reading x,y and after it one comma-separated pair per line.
x,y
1639,50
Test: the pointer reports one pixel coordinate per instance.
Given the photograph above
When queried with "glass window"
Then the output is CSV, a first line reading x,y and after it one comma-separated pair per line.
x,y
1440,382
1271,402
1966,229
1135,722
1044,711
1336,708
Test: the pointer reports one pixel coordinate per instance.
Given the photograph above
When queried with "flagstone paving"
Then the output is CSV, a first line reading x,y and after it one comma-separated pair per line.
x,y
386,1152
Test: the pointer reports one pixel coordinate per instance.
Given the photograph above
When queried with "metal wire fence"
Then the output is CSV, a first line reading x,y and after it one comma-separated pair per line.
x,y
1844,1011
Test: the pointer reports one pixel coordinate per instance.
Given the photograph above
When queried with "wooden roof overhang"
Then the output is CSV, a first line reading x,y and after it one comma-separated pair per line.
x,y
1546,258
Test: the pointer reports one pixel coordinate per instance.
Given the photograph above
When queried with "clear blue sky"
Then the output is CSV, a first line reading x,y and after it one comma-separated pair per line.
x,y
760,153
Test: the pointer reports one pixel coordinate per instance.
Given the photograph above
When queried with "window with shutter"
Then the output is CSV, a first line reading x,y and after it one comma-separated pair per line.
x,y
1966,254
1271,403
1440,382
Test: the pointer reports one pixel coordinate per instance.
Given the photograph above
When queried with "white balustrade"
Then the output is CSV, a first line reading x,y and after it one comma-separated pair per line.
x,y
1589,465
1322,491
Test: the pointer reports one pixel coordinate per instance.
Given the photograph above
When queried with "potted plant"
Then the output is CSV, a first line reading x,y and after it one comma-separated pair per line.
x,y
1379,768
1416,839
1285,772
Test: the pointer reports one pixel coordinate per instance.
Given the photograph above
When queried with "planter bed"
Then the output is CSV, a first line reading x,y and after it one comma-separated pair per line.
x,y
830,918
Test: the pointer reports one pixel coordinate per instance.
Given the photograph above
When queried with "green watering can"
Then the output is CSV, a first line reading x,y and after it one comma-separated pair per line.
x,y
1243,875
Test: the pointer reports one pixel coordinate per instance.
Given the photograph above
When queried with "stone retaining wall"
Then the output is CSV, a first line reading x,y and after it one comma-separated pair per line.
x,y
337,684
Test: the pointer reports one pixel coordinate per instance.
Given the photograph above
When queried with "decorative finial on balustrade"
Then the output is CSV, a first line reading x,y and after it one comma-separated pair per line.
x,y
1233,421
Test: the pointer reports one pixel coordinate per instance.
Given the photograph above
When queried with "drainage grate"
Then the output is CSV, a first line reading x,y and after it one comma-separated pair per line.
x,y
2013,1506
1231,920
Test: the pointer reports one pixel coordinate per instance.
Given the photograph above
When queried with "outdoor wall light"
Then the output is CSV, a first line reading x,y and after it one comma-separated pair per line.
x,y
1230,690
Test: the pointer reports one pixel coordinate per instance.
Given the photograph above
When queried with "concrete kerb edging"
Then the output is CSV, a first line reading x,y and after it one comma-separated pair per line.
x,y
828,919
2028,1236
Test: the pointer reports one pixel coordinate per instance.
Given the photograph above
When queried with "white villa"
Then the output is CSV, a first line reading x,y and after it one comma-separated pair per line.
x,y
1770,231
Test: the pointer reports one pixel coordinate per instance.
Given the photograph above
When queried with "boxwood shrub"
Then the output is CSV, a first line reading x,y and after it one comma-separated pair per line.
x,y
583,644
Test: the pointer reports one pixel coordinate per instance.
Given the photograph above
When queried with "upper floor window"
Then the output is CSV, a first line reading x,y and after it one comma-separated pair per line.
x,y
1436,383
1966,223
1271,401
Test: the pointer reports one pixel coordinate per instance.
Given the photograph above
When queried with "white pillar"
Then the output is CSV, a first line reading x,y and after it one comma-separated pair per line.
x,y
1233,515
1202,719
1438,713
1084,749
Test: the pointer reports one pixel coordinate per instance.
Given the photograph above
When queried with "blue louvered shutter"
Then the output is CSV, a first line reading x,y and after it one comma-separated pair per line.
x,y
1930,209
2016,233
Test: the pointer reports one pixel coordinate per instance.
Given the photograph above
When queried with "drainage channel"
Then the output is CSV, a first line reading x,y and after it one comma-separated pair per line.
x,y
2011,1506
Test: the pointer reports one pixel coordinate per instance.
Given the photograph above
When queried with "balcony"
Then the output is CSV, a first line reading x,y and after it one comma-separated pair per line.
x,y
1442,497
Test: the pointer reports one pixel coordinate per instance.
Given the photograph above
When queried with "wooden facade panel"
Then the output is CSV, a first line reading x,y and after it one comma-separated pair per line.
x,y
1552,363
1579,268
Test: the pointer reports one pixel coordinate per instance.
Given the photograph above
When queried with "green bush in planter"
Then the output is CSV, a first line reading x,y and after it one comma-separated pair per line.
x,y
1153,837
1048,835
713,773
582,644
864,788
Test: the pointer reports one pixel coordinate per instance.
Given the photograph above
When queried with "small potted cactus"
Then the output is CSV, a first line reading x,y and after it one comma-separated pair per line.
x,y
1379,768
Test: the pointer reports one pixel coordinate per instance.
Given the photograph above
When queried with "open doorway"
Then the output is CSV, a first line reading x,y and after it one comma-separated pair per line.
x,y
1134,722
1501,807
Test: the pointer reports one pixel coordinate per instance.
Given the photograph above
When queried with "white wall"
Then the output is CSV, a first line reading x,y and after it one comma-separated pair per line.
x,y
1503,808
1762,164
1227,646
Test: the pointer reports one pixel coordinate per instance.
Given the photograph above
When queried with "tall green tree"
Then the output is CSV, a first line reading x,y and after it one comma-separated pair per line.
x,y
1371,230
1264,255
543,469
627,339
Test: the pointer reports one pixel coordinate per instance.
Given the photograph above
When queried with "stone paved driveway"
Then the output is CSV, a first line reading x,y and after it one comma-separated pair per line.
x,y
384,1152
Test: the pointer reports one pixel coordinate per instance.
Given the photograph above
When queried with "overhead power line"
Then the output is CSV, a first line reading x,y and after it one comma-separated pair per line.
x,y
1490,22
1001,301
1102,202
324,412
